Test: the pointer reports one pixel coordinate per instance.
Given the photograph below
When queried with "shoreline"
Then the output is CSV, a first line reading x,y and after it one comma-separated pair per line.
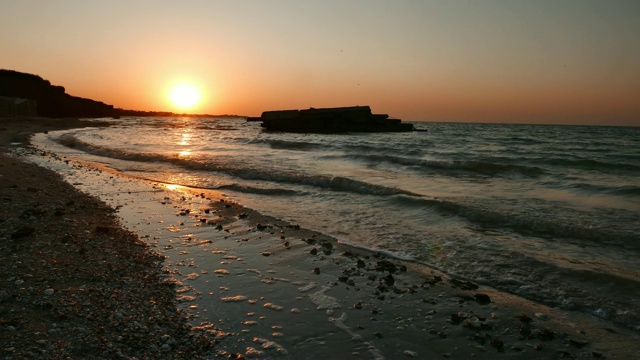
x,y
75,283
361,304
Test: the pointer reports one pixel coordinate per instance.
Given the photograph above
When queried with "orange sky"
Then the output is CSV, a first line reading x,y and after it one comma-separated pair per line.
x,y
461,60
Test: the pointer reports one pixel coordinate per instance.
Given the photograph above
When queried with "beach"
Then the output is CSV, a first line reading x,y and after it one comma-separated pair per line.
x,y
75,284
85,279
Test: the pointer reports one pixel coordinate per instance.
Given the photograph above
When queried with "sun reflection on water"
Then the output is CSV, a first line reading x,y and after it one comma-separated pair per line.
x,y
186,137
185,140
173,187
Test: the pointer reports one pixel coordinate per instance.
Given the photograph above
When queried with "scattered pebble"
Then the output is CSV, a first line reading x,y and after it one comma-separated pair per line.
x,y
253,353
193,276
237,298
273,306
410,353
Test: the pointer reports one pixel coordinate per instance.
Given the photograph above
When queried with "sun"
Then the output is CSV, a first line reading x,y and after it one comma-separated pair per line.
x,y
184,96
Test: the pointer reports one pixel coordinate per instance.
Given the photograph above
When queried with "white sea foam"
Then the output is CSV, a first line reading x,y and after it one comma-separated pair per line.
x,y
307,287
322,301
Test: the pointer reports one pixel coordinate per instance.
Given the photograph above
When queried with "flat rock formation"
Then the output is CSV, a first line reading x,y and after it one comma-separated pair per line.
x,y
331,120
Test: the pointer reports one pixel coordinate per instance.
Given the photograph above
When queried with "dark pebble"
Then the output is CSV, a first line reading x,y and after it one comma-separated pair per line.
x,y
386,265
525,318
498,344
457,318
389,279
479,339
482,299
23,232
544,334
103,229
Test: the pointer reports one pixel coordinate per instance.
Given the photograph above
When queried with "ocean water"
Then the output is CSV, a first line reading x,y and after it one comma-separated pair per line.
x,y
551,213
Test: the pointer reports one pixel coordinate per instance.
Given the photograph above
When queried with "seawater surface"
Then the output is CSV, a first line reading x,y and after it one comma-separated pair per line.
x,y
551,213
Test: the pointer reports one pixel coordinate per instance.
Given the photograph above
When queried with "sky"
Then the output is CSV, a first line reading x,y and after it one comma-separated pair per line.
x,y
515,61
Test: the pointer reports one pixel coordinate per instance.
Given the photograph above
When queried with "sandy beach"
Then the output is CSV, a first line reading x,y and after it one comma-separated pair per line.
x,y
131,275
75,284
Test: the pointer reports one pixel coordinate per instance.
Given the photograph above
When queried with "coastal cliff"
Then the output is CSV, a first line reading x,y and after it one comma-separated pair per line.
x,y
52,100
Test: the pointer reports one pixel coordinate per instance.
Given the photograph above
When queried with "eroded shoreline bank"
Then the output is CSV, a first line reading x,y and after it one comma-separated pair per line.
x,y
255,284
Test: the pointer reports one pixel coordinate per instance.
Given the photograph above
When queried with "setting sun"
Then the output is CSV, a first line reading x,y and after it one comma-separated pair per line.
x,y
184,96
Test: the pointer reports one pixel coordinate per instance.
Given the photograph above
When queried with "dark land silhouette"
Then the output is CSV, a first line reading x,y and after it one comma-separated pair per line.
x,y
54,102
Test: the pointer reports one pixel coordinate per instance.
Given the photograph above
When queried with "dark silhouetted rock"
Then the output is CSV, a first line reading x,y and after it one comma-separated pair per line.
x,y
330,120
482,299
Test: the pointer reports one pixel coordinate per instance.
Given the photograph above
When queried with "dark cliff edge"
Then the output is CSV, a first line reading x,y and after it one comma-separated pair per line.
x,y
54,102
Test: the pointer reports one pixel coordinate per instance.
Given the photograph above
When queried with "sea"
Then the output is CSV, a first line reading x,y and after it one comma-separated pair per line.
x,y
549,213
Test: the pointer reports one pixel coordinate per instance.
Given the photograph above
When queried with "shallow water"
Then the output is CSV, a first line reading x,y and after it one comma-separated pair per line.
x,y
547,212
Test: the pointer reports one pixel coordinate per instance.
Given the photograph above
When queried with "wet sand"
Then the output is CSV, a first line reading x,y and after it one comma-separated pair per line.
x,y
74,282
260,287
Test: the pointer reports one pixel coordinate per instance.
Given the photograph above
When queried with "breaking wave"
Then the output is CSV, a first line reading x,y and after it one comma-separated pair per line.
x,y
335,183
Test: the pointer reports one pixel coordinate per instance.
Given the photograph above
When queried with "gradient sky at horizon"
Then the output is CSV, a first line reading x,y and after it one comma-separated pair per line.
x,y
538,61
